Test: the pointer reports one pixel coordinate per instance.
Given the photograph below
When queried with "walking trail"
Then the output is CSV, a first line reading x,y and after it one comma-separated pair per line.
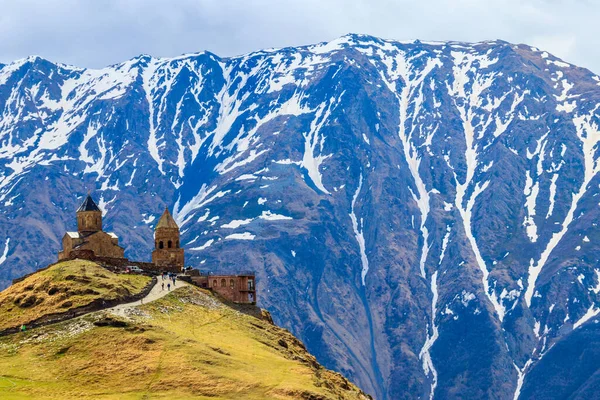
x,y
156,293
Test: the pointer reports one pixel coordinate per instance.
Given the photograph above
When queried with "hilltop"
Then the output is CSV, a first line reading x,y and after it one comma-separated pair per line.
x,y
187,344
62,287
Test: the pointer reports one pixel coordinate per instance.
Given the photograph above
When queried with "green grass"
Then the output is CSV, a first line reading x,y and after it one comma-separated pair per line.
x,y
186,345
63,286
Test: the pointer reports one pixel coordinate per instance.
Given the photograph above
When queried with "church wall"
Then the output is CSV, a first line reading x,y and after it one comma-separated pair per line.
x,y
89,221
165,235
169,257
102,245
67,245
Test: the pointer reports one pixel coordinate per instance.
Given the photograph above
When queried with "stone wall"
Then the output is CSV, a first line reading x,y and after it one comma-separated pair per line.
x,y
81,254
123,263
89,221
119,264
169,258
102,245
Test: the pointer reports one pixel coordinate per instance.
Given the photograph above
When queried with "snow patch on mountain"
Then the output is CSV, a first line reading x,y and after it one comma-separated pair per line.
x,y
5,251
358,232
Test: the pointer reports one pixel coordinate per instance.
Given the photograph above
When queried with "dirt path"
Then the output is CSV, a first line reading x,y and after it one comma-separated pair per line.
x,y
156,293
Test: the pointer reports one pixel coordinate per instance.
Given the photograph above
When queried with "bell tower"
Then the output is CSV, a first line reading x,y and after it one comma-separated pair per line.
x,y
89,217
167,253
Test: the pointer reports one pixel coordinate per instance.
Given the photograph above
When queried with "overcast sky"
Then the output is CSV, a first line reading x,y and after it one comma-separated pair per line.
x,y
96,33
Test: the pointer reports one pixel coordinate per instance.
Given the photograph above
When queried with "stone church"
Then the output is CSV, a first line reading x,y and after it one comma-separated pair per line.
x,y
92,243
90,239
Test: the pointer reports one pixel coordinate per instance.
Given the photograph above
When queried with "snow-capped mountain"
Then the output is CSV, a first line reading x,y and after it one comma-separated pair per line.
x,y
423,215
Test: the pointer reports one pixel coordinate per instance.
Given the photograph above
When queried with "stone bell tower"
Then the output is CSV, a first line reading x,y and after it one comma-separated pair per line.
x,y
167,253
89,217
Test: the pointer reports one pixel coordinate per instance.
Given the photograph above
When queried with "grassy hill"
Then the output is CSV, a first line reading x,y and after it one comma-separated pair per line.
x,y
63,286
185,345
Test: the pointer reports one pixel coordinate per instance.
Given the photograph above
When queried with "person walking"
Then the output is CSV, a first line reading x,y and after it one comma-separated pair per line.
x,y
163,286
169,286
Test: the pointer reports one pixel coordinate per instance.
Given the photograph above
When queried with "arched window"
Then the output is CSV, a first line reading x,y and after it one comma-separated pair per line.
x,y
223,283
231,283
215,283
170,244
177,244
160,245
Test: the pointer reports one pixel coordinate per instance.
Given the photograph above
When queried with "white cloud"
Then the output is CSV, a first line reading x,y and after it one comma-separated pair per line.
x,y
97,33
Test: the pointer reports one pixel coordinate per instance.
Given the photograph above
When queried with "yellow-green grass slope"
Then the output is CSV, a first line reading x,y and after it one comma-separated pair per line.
x,y
61,287
187,345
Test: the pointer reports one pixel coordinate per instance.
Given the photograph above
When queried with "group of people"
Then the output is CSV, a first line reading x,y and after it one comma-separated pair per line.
x,y
169,277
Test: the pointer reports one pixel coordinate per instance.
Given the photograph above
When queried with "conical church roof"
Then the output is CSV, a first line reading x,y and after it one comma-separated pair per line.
x,y
166,221
88,205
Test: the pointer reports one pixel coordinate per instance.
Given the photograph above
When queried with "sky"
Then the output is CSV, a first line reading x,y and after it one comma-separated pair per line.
x,y
96,33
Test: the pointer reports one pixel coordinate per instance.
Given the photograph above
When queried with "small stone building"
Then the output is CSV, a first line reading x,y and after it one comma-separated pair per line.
x,y
167,253
90,239
239,288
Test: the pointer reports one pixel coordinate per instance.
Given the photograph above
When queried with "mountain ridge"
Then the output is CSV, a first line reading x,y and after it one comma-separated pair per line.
x,y
352,36
389,194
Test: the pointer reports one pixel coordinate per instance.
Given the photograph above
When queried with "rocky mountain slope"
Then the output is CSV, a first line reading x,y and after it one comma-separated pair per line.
x,y
184,345
422,215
